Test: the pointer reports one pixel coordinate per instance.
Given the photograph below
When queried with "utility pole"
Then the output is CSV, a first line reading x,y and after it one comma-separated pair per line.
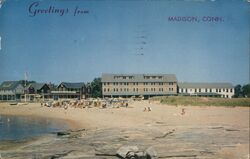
x,y
25,80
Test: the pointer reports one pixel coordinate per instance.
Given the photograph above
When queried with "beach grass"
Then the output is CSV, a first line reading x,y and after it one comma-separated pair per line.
x,y
202,101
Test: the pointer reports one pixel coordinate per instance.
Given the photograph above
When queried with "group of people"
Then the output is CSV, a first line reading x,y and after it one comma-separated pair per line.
x,y
147,109
63,104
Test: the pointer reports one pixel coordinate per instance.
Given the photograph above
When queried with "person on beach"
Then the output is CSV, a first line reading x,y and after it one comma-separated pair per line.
x,y
183,111
149,109
65,108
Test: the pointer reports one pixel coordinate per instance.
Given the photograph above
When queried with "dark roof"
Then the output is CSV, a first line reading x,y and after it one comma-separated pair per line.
x,y
72,85
205,85
37,86
9,85
139,78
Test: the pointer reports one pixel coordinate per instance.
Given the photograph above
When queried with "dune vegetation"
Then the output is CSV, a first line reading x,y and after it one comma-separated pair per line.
x,y
202,101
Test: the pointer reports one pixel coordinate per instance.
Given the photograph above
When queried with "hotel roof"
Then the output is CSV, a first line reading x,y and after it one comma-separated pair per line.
x,y
139,78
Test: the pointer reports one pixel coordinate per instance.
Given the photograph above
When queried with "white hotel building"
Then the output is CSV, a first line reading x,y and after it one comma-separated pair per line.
x,y
224,90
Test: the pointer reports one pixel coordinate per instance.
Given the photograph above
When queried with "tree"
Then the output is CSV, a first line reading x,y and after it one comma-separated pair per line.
x,y
96,88
238,92
246,90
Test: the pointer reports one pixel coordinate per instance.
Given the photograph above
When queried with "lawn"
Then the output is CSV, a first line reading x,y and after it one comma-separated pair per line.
x,y
202,101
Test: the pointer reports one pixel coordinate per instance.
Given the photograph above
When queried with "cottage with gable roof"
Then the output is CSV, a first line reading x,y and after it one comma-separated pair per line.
x,y
37,91
69,90
11,91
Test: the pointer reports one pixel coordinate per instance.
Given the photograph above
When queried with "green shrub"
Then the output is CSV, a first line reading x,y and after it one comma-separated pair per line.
x,y
203,101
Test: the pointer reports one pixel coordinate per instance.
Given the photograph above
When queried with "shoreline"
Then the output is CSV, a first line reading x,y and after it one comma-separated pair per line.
x,y
7,109
71,124
211,131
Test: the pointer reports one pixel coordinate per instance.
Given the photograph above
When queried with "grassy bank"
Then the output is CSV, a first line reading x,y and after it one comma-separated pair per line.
x,y
202,101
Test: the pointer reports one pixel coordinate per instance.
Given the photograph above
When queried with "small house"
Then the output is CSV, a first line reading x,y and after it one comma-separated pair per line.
x,y
37,90
11,91
68,90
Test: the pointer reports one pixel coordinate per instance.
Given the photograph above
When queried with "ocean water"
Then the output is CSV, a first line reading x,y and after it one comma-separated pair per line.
x,y
21,127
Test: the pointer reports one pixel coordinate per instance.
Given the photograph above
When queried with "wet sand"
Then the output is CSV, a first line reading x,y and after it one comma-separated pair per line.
x,y
202,132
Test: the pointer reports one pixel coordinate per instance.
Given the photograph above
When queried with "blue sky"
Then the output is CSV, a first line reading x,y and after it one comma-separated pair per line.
x,y
125,36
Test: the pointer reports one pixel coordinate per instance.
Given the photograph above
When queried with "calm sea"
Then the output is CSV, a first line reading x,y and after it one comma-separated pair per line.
x,y
19,127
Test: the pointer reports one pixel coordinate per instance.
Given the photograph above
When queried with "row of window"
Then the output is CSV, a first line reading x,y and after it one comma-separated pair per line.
x,y
152,77
206,90
147,89
6,90
117,90
132,77
68,89
154,89
225,96
7,97
136,83
136,89
123,77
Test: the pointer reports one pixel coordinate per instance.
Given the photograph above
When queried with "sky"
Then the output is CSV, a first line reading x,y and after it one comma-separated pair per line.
x,y
125,36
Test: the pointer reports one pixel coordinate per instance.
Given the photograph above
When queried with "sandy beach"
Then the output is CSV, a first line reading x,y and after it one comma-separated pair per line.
x,y
202,132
